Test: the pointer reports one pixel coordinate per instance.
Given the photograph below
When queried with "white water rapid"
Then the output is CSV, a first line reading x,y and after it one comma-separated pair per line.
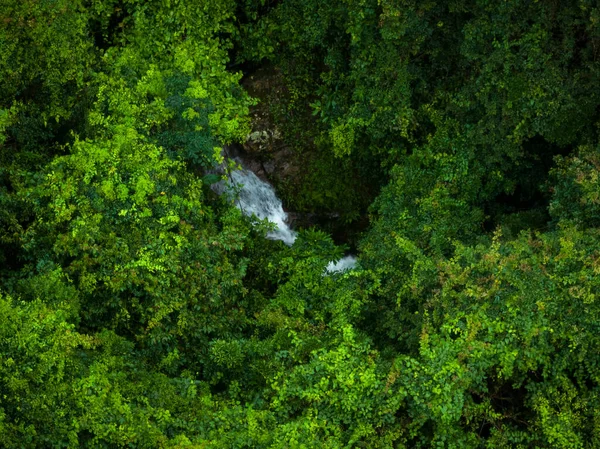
x,y
257,197
345,263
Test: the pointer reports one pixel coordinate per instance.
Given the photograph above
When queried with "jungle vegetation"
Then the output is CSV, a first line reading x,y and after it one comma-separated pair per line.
x,y
138,309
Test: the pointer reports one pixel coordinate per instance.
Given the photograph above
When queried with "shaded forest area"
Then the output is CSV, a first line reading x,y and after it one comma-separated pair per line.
x,y
455,142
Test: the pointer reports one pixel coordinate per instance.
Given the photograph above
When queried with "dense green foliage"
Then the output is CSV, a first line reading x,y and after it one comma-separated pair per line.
x,y
140,309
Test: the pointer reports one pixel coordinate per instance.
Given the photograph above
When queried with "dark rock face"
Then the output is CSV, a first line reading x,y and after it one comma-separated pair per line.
x,y
269,166
265,152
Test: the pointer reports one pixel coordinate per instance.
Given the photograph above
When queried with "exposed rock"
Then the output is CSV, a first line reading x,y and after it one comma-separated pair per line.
x,y
265,152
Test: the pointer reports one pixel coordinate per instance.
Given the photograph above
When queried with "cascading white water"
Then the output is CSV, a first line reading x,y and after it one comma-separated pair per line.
x,y
345,263
257,197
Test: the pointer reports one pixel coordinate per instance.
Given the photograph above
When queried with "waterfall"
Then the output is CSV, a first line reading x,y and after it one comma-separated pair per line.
x,y
345,263
256,197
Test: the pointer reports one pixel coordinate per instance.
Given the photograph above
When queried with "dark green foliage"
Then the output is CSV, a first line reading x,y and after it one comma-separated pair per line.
x,y
139,309
187,137
576,189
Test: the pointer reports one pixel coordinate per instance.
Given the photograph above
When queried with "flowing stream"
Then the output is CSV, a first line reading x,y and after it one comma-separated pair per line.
x,y
257,197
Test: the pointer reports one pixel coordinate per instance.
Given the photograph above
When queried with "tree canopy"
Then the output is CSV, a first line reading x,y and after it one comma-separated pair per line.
x,y
455,143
